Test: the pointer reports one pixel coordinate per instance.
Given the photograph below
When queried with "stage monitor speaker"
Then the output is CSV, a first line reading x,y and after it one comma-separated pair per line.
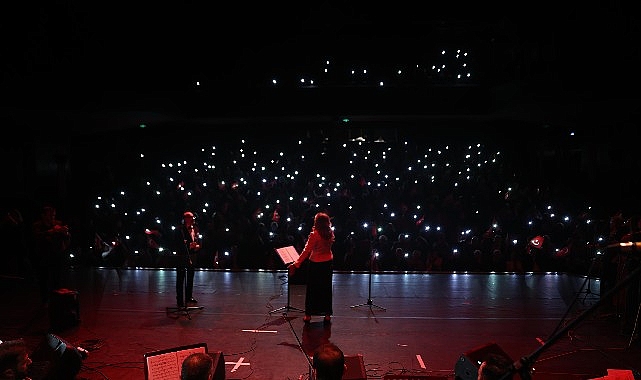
x,y
354,368
467,366
64,310
64,358
219,365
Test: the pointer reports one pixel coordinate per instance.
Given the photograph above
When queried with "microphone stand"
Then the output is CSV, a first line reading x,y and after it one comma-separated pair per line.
x,y
576,296
369,290
523,365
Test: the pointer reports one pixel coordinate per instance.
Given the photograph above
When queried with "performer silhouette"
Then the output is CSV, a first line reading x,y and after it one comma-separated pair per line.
x,y
189,243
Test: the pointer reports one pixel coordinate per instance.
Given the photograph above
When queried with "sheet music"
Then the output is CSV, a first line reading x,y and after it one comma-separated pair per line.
x,y
167,366
163,367
288,254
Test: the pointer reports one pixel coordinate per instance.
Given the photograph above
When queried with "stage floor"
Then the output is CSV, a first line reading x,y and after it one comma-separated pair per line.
x,y
399,324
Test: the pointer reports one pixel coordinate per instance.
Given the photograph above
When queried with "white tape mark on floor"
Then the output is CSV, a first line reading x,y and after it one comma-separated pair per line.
x,y
237,364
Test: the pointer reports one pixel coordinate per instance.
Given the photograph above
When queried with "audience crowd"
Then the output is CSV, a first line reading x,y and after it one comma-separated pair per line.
x,y
396,205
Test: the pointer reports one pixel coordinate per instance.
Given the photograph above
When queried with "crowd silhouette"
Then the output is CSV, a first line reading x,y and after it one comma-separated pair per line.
x,y
396,205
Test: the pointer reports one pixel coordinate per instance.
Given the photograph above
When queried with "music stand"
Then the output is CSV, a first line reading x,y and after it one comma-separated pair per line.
x,y
288,255
369,290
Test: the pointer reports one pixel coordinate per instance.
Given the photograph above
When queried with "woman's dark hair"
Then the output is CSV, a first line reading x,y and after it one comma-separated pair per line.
x,y
323,225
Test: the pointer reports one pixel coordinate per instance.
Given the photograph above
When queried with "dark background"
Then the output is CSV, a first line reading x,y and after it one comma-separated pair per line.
x,y
79,79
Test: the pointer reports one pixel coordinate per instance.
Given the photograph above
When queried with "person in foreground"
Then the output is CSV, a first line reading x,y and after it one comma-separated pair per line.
x,y
198,366
495,367
328,362
14,360
318,249
51,239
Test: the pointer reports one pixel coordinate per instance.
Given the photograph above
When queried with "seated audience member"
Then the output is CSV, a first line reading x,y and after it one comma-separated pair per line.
x,y
198,366
329,362
14,360
495,367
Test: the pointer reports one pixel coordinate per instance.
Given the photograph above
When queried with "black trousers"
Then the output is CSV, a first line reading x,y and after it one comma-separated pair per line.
x,y
318,294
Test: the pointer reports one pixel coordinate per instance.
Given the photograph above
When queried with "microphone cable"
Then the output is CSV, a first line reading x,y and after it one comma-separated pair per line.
x,y
300,344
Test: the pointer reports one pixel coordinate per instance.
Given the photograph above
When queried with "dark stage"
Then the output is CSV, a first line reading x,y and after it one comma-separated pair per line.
x,y
400,325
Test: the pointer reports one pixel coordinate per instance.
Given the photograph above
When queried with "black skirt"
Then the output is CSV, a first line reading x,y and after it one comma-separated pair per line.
x,y
318,295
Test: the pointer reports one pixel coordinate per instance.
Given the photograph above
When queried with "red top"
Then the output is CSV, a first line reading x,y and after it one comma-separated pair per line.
x,y
316,248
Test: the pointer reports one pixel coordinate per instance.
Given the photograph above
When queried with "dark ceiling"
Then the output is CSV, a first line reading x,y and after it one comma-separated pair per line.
x,y
81,67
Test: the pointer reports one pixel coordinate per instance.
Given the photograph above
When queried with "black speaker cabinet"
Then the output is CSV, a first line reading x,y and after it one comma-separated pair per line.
x,y
466,367
354,368
64,310
219,365
56,359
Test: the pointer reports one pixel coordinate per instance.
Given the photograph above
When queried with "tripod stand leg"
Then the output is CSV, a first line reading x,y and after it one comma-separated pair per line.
x,y
370,304
286,308
588,291
576,297
369,295
634,333
184,310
